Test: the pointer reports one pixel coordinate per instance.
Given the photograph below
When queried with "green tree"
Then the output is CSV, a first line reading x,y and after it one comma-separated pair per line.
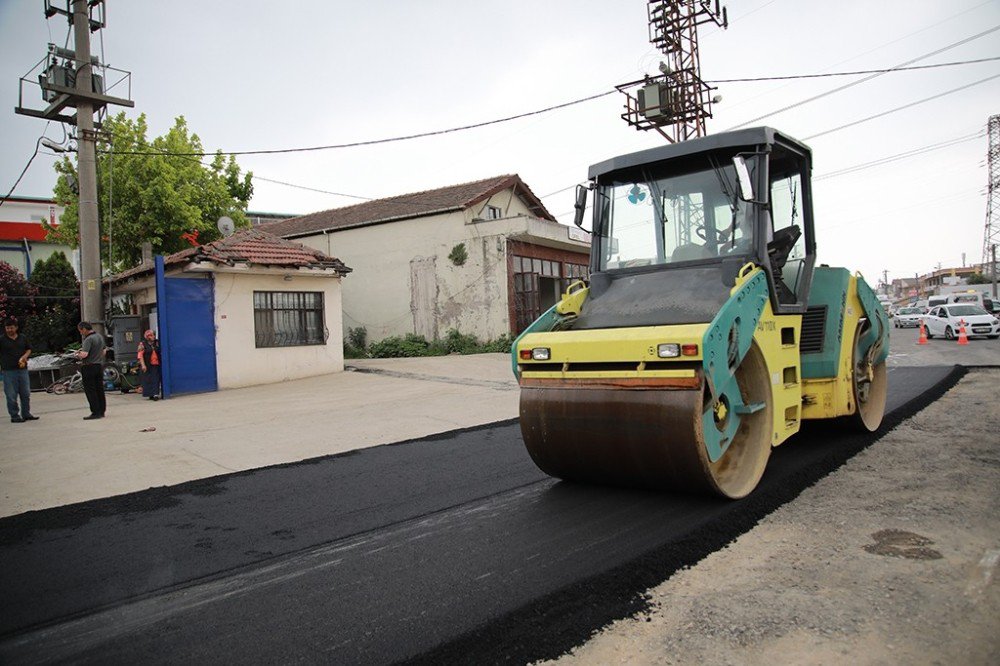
x,y
156,191
17,296
979,278
57,304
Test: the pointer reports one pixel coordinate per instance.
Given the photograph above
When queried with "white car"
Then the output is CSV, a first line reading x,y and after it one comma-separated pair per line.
x,y
906,317
946,319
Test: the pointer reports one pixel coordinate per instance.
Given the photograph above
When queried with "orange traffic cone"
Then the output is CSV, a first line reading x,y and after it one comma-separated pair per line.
x,y
922,340
963,339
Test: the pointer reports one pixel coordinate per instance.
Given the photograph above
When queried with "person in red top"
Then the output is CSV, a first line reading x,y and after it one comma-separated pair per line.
x,y
149,362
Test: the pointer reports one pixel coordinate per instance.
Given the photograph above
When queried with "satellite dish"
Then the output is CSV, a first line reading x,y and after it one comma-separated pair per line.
x,y
226,225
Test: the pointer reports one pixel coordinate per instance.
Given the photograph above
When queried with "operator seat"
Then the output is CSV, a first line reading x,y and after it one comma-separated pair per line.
x,y
778,250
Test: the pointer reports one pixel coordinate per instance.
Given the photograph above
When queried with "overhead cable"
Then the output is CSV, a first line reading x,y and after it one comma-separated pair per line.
x,y
899,156
373,142
855,73
900,108
867,78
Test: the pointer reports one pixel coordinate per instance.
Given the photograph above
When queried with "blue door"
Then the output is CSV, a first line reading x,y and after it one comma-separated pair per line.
x,y
186,315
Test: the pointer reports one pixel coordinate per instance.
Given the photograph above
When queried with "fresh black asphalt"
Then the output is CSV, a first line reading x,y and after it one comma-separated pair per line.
x,y
453,548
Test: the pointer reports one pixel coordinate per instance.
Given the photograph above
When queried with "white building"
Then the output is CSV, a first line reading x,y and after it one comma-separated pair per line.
x,y
275,311
23,238
485,258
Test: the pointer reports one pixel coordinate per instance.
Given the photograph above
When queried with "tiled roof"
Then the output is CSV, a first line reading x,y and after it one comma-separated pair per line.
x,y
252,246
407,206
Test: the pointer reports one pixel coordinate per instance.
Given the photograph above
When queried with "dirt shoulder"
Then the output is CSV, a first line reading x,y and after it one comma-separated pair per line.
x,y
891,559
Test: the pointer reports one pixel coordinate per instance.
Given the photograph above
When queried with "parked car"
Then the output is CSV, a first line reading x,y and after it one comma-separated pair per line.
x,y
946,319
907,317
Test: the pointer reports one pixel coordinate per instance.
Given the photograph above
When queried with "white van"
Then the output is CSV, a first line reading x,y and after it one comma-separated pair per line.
x,y
979,298
934,301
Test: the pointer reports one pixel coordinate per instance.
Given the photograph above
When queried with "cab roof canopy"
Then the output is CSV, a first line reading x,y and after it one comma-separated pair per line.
x,y
726,141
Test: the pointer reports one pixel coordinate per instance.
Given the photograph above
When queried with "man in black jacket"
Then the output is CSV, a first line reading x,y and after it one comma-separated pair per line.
x,y
14,352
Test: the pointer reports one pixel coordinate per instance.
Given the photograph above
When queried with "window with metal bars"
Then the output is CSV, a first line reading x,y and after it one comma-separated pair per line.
x,y
288,318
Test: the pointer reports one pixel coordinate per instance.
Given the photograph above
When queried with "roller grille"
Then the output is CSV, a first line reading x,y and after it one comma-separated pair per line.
x,y
813,330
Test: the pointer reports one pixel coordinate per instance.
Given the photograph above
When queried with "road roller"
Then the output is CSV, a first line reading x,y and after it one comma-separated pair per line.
x,y
706,333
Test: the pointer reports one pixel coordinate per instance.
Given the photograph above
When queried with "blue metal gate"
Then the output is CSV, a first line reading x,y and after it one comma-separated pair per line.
x,y
186,316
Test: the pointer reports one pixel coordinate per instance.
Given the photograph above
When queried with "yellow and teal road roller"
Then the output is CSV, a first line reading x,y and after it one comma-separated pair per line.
x,y
705,334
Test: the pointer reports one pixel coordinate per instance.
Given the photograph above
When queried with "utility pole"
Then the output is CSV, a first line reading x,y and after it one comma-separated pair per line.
x,y
676,102
993,249
91,303
992,231
76,80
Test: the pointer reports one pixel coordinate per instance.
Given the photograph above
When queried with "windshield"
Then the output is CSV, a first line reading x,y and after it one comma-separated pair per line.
x,y
966,310
910,311
686,217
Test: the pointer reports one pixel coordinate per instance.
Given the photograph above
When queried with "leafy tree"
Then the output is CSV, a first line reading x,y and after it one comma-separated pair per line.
x,y
57,304
17,296
979,278
145,195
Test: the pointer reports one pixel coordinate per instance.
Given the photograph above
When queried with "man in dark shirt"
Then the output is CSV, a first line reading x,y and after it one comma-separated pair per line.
x,y
91,355
14,352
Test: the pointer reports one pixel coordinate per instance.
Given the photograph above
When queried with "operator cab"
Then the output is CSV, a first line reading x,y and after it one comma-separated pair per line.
x,y
677,223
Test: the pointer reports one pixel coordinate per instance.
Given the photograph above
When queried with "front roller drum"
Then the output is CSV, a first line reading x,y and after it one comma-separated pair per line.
x,y
647,438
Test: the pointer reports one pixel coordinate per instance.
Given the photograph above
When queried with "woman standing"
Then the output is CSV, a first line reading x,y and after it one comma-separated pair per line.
x,y
149,363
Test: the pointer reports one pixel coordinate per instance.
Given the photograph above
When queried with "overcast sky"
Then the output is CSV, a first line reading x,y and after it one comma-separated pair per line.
x,y
256,74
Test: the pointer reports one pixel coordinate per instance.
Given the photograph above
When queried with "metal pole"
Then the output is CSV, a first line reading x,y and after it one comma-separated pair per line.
x,y
91,306
993,264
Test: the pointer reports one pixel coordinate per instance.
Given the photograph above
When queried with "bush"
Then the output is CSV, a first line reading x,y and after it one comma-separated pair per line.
x,y
412,345
358,337
458,343
396,347
501,345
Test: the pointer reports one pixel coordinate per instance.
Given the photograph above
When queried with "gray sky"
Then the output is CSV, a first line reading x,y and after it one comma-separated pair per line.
x,y
254,75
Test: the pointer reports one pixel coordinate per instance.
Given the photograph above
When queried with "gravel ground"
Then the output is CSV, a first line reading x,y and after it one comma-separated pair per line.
x,y
889,560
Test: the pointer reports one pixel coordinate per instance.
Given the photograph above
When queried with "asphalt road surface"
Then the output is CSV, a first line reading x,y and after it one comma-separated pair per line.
x,y
444,549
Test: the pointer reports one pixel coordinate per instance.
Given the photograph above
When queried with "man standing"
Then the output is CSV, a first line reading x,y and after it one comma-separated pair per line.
x,y
92,371
14,352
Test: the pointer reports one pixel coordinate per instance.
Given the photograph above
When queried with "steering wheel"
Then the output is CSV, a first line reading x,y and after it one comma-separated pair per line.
x,y
721,236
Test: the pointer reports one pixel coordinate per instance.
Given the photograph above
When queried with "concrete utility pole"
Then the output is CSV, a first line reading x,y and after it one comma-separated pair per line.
x,y
91,303
74,80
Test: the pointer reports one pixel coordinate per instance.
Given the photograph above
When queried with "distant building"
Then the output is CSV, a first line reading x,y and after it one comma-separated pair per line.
x,y
937,282
485,258
22,236
257,218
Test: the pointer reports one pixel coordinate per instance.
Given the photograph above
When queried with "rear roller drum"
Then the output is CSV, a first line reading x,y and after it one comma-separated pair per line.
x,y
869,387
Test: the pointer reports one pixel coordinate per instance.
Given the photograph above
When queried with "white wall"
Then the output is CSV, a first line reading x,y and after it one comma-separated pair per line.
x,y
240,362
402,280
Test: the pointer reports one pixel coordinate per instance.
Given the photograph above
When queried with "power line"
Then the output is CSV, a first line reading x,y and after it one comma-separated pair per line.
x,y
310,189
38,145
867,78
855,73
374,142
899,156
900,108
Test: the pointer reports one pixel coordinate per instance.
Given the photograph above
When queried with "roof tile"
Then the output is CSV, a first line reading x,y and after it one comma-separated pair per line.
x,y
254,246
406,206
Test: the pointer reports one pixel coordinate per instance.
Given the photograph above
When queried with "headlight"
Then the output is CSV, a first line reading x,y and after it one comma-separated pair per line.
x,y
541,353
668,350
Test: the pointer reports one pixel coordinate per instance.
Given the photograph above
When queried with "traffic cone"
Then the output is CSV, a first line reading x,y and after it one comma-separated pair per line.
x,y
922,340
963,339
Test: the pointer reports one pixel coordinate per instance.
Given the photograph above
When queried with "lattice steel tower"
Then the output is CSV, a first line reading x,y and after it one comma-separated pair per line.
x,y
992,233
677,102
